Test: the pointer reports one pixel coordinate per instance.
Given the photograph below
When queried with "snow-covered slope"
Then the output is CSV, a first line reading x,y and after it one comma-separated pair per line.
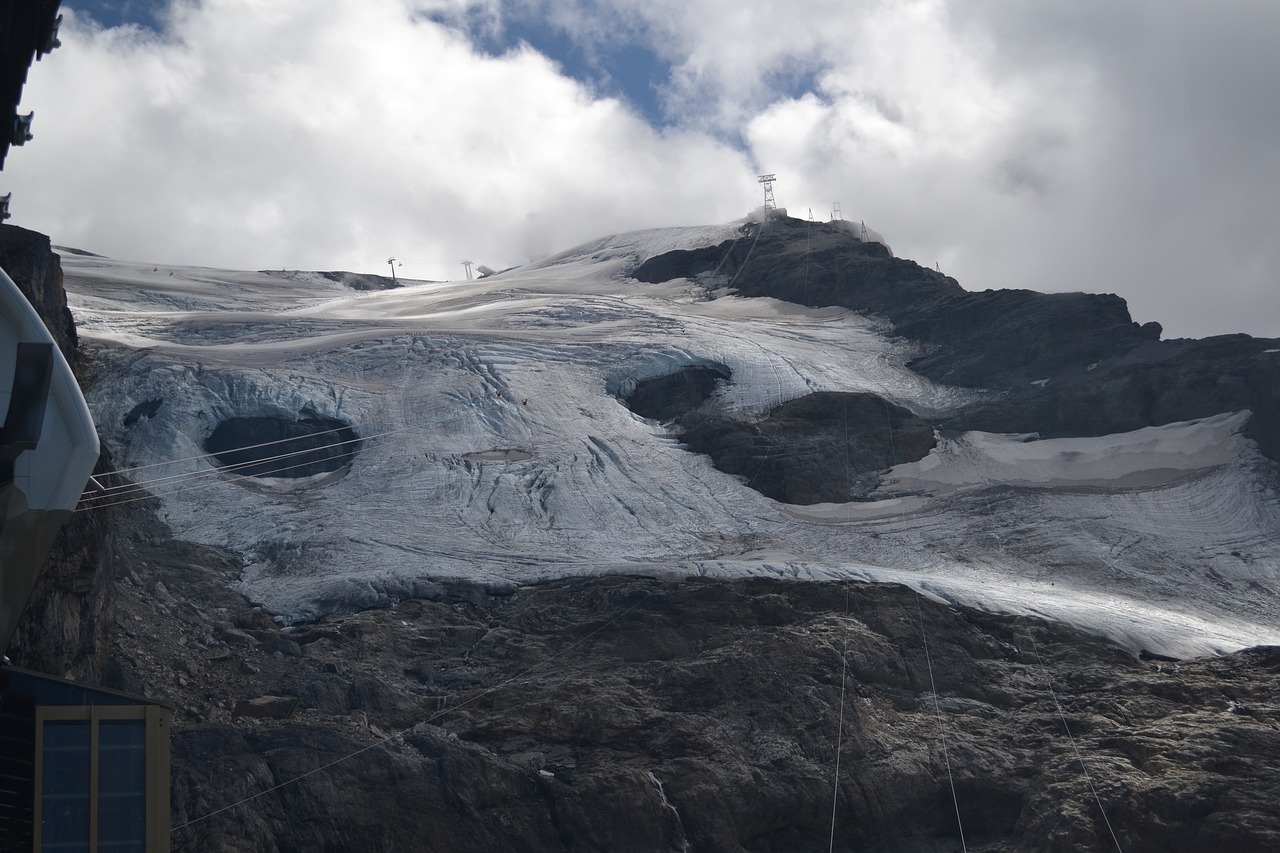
x,y
495,448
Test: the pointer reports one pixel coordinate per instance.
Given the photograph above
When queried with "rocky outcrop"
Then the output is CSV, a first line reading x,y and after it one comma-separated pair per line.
x,y
29,259
64,628
664,398
353,280
1067,364
638,714
1153,383
692,263
825,447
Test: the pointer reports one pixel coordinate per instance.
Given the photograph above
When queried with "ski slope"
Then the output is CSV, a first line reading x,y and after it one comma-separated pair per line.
x,y
495,449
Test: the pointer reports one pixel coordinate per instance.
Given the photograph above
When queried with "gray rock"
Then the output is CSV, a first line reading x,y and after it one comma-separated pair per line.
x,y
267,707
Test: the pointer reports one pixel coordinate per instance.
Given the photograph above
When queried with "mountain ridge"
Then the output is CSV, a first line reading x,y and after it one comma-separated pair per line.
x,y
653,703
1068,364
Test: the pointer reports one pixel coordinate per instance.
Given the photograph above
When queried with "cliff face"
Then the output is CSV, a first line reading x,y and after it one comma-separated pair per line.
x,y
636,714
29,259
64,629
1062,364
987,339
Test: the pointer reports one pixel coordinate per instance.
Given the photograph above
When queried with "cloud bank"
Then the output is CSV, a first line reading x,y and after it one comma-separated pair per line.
x,y
1058,146
327,134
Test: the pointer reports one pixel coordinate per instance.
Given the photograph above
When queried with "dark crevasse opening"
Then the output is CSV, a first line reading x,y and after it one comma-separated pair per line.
x,y
143,410
283,447
664,398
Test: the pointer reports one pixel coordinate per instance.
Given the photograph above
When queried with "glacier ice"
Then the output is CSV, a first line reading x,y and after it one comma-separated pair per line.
x,y
494,448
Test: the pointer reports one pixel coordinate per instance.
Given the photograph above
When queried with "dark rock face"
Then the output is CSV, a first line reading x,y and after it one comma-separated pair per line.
x,y
362,281
1070,364
1153,383
635,714
279,447
29,259
64,627
688,263
1262,380
826,447
353,280
667,397
988,339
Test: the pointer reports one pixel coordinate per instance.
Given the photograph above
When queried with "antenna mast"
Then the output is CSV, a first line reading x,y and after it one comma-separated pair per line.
x,y
767,180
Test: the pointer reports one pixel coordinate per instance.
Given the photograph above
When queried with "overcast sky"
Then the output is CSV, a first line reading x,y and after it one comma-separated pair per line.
x,y
1082,145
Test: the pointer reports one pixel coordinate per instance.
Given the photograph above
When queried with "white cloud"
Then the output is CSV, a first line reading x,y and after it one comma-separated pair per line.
x,y
1055,145
329,133
1058,145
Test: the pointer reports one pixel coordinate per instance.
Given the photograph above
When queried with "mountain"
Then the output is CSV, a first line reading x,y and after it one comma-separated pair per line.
x,y
577,556
850,415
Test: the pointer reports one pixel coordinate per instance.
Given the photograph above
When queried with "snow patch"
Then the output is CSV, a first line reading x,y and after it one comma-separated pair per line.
x,y
495,450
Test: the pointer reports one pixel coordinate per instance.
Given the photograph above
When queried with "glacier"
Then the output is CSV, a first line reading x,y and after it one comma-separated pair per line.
x,y
495,449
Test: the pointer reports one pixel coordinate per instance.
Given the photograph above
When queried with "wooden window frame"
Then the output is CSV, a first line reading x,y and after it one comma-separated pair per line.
x,y
156,746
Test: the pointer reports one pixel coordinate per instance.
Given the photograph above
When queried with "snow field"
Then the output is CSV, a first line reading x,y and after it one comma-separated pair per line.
x,y
495,450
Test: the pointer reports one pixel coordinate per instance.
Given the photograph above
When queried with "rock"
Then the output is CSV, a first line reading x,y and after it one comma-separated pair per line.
x,y
29,259
236,637
825,447
707,715
267,707
667,397
163,596
65,626
286,647
701,714
1106,373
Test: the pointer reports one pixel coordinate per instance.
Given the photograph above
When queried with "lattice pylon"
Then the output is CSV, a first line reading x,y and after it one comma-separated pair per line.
x,y
767,181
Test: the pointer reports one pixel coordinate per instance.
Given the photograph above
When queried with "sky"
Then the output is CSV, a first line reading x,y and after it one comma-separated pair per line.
x,y
1053,145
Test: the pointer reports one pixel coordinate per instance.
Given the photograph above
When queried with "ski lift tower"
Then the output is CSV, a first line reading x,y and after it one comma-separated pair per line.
x,y
392,263
767,181
467,266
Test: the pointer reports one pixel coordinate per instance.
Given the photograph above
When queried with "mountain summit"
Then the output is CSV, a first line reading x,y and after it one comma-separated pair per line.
x,y
674,539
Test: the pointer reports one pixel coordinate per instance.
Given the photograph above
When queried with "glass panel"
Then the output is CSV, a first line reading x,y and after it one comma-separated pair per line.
x,y
122,786
64,795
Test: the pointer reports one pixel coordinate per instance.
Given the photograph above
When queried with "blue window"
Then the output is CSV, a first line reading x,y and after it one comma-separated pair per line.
x,y
103,779
64,814
122,786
